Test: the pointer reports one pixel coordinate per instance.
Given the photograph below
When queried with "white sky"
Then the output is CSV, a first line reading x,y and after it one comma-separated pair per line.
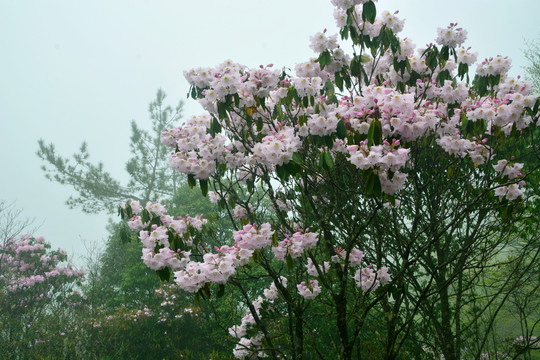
x,y
82,70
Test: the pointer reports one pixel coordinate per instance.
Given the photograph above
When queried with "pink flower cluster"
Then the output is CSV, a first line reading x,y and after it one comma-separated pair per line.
x,y
321,42
32,273
295,246
252,237
309,290
369,280
496,66
452,36
276,149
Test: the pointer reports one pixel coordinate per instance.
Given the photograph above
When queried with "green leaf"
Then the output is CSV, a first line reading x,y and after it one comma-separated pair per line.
x,y
164,274
292,168
450,170
369,12
463,69
251,185
297,158
324,59
281,172
355,67
204,186
341,130
339,81
221,291
377,187
506,212
191,180
145,216
391,199
373,184
328,141
290,262
328,161
222,110
536,105
206,290
329,88
445,52
217,125
431,60
321,161
370,183
374,133
124,235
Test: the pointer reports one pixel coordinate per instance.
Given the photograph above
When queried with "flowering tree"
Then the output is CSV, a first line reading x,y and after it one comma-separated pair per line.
x,y
370,191
32,280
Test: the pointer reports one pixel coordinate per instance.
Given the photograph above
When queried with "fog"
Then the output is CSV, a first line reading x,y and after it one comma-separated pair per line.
x,y
82,70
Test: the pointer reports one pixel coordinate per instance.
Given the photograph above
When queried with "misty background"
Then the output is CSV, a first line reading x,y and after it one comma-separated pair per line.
x,y
74,71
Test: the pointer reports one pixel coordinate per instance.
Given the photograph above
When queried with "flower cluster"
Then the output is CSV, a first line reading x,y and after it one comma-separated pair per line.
x,y
309,290
276,149
510,172
369,280
320,42
452,36
32,272
252,237
296,245
498,65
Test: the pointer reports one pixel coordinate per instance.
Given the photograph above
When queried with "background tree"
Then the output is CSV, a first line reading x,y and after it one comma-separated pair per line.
x,y
532,54
97,189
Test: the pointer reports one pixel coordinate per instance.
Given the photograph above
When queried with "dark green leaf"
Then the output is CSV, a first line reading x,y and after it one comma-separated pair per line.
x,y
191,180
281,172
369,12
251,185
164,274
124,235
222,110
221,291
290,262
297,158
217,125
341,130
328,161
374,133
445,52
204,186
339,81
355,67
